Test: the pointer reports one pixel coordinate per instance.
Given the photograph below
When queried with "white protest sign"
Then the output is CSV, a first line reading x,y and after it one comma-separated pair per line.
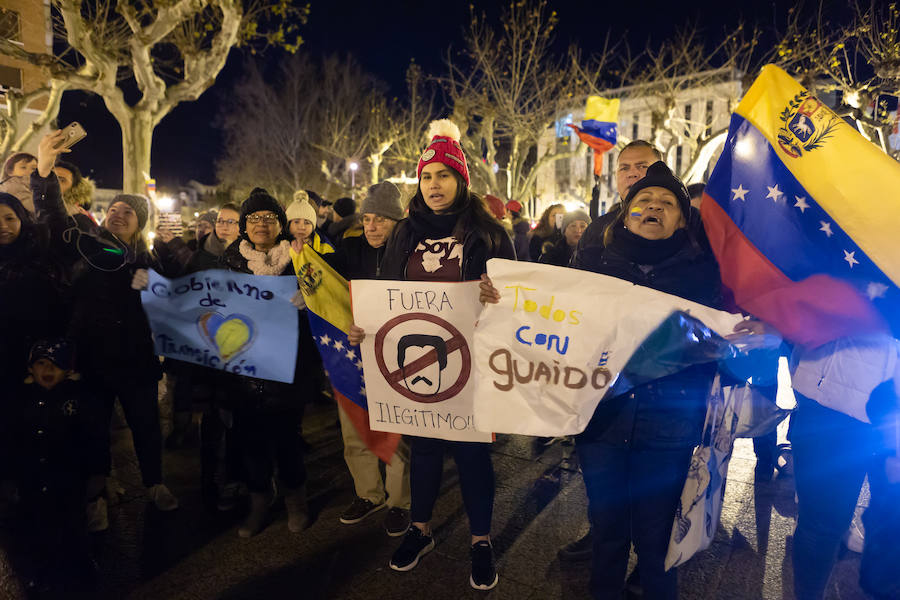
x,y
548,351
417,356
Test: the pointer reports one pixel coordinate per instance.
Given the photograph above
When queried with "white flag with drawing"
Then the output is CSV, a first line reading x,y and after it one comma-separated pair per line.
x,y
560,338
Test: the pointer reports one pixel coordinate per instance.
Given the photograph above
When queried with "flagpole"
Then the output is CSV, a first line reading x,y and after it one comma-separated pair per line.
x,y
594,209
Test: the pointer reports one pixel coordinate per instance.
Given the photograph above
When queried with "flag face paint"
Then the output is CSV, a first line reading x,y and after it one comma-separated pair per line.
x,y
801,240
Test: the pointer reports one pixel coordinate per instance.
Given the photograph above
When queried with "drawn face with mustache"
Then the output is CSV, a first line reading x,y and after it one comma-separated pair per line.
x,y
426,381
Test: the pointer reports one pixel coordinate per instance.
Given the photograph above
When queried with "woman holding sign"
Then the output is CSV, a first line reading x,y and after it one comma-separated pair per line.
x,y
636,450
268,414
449,236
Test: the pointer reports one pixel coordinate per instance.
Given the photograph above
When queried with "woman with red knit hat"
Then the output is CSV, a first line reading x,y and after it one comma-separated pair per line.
x,y
446,218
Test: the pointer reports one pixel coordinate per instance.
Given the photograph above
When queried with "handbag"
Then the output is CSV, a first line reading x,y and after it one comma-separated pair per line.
x,y
700,506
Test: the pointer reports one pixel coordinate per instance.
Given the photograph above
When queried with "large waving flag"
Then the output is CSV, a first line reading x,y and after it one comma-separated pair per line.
x,y
801,212
327,298
599,128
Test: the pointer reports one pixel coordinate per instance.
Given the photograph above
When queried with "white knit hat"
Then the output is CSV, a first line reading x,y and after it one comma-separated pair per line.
x,y
301,209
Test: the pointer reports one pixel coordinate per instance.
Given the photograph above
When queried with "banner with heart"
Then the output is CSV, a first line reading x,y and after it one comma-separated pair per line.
x,y
243,324
230,335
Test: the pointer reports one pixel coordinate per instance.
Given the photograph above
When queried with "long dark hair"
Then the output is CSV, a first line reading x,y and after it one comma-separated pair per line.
x,y
473,214
544,227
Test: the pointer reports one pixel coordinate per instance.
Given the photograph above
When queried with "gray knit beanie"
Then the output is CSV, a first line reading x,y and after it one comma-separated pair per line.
x,y
383,199
209,216
575,215
140,204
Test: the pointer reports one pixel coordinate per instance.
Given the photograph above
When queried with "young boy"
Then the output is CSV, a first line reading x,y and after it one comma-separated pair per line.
x,y
50,449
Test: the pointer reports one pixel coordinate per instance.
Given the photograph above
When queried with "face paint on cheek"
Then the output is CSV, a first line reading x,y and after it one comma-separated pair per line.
x,y
636,212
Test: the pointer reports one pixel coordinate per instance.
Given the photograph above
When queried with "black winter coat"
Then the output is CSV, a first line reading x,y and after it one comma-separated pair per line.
x,y
475,252
667,413
357,259
252,394
112,335
521,229
558,254
52,439
33,299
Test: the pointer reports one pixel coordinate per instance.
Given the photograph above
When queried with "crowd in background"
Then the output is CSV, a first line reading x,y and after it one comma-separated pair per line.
x,y
76,340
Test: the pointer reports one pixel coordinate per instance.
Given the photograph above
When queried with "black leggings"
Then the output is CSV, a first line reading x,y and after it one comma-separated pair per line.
x,y
476,479
140,403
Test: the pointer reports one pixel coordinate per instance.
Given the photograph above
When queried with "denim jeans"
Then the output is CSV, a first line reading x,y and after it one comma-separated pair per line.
x,y
632,498
476,479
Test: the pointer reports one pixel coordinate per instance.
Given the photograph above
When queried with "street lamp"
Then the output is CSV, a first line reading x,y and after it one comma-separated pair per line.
x,y
353,168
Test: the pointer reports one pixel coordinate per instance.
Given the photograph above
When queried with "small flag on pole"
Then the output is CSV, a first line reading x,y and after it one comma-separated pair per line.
x,y
599,128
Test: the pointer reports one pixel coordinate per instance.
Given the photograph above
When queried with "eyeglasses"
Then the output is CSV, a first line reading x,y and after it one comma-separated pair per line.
x,y
227,221
267,219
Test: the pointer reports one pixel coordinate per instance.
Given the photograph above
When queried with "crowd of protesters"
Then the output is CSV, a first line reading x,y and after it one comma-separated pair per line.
x,y
76,340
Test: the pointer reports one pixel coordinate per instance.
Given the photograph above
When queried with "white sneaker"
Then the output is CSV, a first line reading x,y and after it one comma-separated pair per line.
x,y
854,539
97,515
162,497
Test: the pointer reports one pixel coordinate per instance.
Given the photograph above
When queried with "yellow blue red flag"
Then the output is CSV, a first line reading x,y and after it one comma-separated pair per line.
x,y
327,297
801,212
599,128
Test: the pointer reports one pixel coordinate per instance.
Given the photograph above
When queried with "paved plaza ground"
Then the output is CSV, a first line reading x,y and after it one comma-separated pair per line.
x,y
540,505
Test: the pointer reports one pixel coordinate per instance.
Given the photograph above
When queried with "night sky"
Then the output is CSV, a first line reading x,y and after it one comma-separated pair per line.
x,y
383,36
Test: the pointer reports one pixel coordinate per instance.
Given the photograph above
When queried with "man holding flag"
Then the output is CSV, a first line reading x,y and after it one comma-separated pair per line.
x,y
328,303
801,214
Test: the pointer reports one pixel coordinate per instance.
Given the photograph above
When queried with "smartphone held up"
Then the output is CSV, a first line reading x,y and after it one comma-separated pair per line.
x,y
72,134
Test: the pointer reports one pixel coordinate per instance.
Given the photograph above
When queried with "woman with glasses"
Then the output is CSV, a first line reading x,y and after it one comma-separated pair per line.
x,y
267,414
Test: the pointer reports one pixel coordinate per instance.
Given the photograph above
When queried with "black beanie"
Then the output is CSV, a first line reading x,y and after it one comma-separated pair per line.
x,y
261,200
344,207
659,175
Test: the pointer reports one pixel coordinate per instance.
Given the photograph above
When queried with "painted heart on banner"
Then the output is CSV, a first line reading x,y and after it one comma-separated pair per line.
x,y
230,335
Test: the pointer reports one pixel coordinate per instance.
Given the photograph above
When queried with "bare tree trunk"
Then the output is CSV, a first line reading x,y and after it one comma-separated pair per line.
x,y
137,136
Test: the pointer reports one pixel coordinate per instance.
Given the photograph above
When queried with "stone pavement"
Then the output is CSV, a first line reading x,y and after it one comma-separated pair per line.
x,y
540,505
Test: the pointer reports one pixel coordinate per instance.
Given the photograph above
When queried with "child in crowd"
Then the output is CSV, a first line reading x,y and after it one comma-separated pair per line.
x,y
50,460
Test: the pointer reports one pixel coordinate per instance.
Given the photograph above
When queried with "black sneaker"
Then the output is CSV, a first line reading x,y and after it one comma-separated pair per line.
x,y
359,510
484,575
579,550
396,521
415,545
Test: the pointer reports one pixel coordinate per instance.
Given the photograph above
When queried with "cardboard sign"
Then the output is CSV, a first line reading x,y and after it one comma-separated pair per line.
x,y
242,324
417,356
559,338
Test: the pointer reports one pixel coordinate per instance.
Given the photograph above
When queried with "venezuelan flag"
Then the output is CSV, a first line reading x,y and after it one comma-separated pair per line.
x,y
327,298
599,128
801,212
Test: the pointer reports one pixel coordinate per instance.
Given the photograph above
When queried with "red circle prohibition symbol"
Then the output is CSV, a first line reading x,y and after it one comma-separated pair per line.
x,y
456,342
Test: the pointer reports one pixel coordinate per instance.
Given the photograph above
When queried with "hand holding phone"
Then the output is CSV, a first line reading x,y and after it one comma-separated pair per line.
x,y
560,217
71,134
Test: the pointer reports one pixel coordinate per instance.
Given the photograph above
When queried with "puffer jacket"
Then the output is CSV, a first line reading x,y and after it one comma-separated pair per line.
x,y
667,413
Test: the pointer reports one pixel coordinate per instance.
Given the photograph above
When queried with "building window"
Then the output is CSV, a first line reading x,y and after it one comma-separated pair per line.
x,y
10,77
635,123
709,117
9,25
687,120
678,157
